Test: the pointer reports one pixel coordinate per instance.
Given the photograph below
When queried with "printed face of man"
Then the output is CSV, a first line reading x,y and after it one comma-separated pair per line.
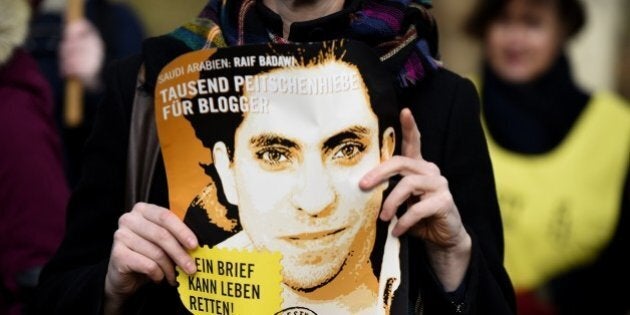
x,y
295,178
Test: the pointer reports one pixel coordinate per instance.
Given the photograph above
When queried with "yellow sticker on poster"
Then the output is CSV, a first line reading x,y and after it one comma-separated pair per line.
x,y
232,282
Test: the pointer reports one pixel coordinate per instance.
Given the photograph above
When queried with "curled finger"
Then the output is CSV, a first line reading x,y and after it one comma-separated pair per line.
x,y
169,221
408,186
147,249
396,165
161,237
417,212
125,261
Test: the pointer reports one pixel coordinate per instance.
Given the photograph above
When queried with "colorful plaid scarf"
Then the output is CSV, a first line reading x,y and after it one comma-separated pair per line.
x,y
402,32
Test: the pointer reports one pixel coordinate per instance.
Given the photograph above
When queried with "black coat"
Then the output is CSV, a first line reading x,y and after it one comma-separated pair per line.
x,y
446,109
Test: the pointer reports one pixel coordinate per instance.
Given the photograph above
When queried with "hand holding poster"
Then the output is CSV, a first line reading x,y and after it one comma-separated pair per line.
x,y
264,147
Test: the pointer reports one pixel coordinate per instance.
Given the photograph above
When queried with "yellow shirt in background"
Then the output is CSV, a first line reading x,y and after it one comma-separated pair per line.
x,y
561,208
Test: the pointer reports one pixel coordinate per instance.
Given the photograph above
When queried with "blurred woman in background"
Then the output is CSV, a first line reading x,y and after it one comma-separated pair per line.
x,y
33,190
82,49
560,156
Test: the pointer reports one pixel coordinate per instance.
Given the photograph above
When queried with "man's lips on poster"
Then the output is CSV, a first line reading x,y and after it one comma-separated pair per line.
x,y
325,235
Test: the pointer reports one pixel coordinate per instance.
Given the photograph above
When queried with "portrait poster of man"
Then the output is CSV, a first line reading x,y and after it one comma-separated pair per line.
x,y
264,147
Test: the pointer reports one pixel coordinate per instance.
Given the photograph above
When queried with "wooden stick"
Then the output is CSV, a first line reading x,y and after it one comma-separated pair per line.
x,y
73,101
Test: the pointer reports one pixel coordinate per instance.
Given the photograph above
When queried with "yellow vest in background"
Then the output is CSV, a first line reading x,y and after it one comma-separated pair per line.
x,y
561,208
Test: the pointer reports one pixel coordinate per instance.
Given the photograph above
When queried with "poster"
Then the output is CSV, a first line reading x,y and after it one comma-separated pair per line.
x,y
264,147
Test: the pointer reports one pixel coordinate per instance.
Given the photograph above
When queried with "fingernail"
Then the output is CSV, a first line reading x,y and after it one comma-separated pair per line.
x,y
365,182
192,242
190,267
395,233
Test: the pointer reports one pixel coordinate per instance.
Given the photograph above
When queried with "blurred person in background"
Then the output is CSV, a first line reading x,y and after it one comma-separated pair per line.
x,y
33,190
560,156
81,49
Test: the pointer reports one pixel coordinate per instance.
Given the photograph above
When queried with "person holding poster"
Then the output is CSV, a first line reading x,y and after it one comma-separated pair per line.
x,y
126,234
293,169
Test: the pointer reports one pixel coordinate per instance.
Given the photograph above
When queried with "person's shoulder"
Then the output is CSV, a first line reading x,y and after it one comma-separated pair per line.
x,y
121,78
126,64
157,52
22,83
612,99
441,90
444,81
121,75
160,50
124,70
442,96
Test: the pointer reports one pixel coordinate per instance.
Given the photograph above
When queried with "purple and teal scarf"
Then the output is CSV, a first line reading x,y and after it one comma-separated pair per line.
x,y
402,32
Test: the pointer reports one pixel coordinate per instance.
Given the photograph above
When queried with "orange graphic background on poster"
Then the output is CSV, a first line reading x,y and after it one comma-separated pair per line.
x,y
180,148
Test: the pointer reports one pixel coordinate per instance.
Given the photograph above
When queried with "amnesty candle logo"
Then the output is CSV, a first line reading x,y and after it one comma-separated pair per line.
x,y
264,147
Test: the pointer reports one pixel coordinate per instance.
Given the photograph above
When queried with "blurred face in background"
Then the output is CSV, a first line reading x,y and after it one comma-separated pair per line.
x,y
525,40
